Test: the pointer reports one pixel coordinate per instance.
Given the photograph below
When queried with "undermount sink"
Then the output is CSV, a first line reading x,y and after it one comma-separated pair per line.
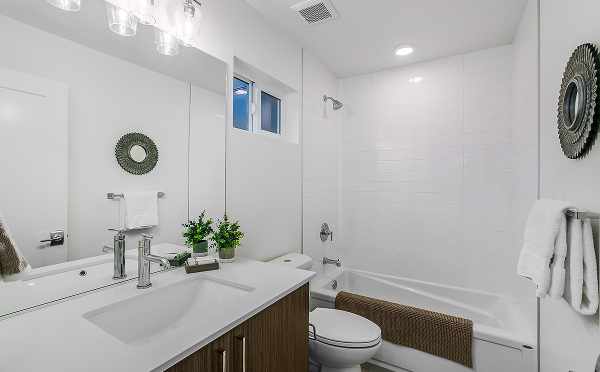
x,y
159,310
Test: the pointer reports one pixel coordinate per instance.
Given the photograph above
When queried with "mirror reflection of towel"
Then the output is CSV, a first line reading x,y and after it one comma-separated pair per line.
x,y
140,210
11,260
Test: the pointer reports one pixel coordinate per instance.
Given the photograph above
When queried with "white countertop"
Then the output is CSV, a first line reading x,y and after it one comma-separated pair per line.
x,y
59,338
50,283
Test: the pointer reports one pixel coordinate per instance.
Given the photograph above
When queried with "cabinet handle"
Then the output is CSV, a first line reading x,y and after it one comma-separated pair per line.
x,y
243,341
224,359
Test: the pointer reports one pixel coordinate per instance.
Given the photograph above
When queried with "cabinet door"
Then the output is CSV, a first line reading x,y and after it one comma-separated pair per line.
x,y
221,354
239,352
197,362
277,338
215,357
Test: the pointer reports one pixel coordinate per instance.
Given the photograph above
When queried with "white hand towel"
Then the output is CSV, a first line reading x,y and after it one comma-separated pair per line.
x,y
557,267
582,275
541,232
141,210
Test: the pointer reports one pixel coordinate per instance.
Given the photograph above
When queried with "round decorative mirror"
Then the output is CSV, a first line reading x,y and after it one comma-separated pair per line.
x,y
573,104
577,105
136,153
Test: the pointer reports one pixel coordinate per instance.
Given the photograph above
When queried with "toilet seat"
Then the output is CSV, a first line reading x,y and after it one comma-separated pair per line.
x,y
343,329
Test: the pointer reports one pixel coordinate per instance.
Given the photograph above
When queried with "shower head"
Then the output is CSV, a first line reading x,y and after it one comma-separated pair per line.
x,y
336,104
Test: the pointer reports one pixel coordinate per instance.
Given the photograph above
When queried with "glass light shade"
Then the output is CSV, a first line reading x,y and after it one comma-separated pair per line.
x,y
68,5
147,14
185,25
186,32
121,21
166,43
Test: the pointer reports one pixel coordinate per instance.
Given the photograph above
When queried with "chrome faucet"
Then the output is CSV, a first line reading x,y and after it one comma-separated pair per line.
x,y
329,261
118,250
144,259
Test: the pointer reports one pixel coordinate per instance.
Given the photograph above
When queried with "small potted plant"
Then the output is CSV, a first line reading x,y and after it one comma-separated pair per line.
x,y
196,234
226,238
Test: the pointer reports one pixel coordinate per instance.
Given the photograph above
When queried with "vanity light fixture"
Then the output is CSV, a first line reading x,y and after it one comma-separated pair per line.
x,y
124,21
121,21
415,79
404,50
68,5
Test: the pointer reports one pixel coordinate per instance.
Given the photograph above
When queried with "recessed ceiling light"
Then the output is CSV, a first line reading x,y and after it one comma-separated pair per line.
x,y
415,79
404,50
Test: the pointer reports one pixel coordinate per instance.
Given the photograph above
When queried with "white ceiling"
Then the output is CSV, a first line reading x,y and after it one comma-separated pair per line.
x,y
365,35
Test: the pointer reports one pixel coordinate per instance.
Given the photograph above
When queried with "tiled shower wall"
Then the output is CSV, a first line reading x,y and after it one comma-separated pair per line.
x,y
427,172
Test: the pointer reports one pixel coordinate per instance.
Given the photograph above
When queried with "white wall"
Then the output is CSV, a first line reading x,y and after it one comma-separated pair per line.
x,y
231,28
568,341
109,98
264,193
525,135
207,153
320,158
262,174
427,172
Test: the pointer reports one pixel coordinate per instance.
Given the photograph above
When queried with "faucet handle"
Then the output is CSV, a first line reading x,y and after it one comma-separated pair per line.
x,y
120,233
147,236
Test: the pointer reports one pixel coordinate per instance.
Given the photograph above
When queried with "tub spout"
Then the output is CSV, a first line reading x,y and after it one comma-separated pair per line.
x,y
329,261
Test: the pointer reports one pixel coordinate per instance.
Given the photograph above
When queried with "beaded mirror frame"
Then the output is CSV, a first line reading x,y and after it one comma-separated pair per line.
x,y
123,153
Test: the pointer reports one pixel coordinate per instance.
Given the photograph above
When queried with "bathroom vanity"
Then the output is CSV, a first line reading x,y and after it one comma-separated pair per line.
x,y
273,340
247,316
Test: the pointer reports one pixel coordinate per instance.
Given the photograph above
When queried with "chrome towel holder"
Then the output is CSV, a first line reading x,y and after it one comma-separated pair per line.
x,y
581,214
112,195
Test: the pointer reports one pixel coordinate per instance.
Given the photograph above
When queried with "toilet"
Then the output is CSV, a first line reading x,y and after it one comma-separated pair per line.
x,y
339,341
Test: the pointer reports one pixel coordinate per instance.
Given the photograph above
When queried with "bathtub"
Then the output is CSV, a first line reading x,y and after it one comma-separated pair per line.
x,y
503,339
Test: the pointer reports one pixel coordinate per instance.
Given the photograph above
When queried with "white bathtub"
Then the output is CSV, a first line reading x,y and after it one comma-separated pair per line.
x,y
503,340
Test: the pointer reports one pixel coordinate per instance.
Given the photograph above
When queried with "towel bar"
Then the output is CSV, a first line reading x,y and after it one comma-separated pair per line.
x,y
112,195
581,214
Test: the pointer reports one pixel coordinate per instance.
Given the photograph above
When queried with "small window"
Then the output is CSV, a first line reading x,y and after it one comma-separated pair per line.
x,y
270,113
241,104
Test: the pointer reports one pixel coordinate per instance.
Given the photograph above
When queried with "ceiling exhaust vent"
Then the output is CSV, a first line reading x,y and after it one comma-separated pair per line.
x,y
316,11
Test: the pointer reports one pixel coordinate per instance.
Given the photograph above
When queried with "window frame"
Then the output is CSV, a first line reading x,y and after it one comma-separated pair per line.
x,y
279,118
256,88
251,106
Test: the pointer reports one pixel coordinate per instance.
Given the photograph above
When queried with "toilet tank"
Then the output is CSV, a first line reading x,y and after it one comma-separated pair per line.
x,y
295,260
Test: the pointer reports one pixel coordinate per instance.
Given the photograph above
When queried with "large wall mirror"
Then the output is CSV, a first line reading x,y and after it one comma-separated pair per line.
x,y
69,90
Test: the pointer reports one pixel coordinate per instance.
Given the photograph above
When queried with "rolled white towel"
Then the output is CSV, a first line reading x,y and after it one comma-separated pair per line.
x,y
583,272
541,233
557,267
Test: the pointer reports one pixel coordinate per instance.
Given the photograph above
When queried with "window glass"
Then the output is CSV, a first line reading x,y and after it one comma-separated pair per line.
x,y
241,104
270,115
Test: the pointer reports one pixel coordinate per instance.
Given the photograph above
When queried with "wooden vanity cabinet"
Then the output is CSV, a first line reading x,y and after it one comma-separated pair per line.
x,y
274,340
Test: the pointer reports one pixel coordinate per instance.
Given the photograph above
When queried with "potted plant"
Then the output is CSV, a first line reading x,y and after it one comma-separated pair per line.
x,y
196,234
226,238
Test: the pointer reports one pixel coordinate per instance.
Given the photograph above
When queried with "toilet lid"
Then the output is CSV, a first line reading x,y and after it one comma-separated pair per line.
x,y
344,329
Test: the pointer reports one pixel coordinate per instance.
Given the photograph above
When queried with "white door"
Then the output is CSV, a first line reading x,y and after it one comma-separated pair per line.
x,y
34,163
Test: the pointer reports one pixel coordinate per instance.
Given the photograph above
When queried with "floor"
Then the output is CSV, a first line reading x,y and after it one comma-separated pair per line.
x,y
367,367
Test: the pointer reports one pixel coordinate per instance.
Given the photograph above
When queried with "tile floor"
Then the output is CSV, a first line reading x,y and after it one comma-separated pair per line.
x,y
365,368
373,368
